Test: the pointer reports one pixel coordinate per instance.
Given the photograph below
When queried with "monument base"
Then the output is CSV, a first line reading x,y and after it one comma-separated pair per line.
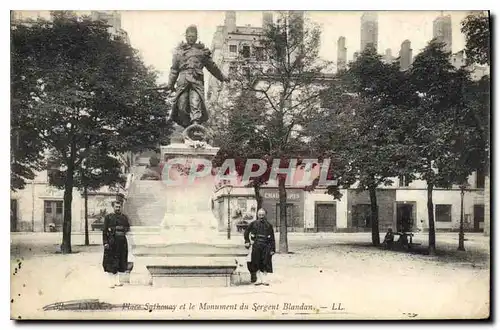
x,y
186,250
191,276
189,264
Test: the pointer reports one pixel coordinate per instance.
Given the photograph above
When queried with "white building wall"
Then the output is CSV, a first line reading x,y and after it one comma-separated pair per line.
x,y
25,207
30,201
311,198
441,196
30,204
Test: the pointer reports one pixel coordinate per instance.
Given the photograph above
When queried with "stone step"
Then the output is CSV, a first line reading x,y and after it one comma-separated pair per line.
x,y
145,279
185,271
144,229
207,275
217,244
230,252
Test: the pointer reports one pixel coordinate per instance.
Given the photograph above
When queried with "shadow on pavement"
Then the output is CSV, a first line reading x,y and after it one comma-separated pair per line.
x,y
22,250
446,253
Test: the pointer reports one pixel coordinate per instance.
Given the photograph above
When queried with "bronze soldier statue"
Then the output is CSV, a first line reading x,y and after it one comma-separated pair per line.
x,y
189,59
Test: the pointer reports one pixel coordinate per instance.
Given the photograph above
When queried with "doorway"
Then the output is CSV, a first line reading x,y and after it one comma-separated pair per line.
x,y
53,216
361,217
13,215
478,216
405,217
325,217
291,222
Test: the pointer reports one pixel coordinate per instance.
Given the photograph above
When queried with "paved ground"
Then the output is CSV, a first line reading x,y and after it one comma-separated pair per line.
x,y
323,270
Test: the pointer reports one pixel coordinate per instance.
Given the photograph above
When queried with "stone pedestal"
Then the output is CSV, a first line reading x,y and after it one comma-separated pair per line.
x,y
187,249
189,216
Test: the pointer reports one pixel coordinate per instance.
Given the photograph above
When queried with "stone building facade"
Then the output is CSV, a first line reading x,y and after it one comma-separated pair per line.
x,y
39,207
400,206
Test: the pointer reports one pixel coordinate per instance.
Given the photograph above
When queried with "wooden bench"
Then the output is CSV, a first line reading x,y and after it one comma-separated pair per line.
x,y
409,238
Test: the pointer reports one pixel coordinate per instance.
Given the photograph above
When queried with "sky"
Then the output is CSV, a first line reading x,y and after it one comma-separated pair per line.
x,y
156,33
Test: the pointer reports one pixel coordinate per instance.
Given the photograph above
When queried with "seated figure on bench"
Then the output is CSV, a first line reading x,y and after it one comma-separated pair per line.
x,y
403,241
389,239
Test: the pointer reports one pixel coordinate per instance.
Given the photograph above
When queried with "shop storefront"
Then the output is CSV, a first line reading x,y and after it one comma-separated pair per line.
x,y
294,208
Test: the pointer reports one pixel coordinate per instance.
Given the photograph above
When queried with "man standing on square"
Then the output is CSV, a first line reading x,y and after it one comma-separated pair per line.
x,y
115,259
264,246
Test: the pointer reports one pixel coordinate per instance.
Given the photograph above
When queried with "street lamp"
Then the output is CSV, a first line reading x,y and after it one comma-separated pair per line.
x,y
229,189
461,239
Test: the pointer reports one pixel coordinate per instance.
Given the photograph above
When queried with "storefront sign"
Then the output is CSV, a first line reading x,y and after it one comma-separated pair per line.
x,y
294,196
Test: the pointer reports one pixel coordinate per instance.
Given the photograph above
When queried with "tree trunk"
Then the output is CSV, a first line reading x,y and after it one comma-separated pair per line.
x,y
68,199
86,207
461,238
258,196
430,214
283,220
374,215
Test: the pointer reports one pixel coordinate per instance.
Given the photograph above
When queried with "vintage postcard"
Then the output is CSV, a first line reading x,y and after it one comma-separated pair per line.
x,y
261,165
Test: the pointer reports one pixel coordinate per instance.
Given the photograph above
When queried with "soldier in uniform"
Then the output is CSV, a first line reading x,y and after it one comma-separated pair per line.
x,y
263,248
188,61
115,259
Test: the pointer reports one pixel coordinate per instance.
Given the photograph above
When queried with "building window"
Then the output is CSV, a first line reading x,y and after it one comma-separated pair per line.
x,y
480,178
59,207
443,212
48,207
233,48
404,181
245,51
